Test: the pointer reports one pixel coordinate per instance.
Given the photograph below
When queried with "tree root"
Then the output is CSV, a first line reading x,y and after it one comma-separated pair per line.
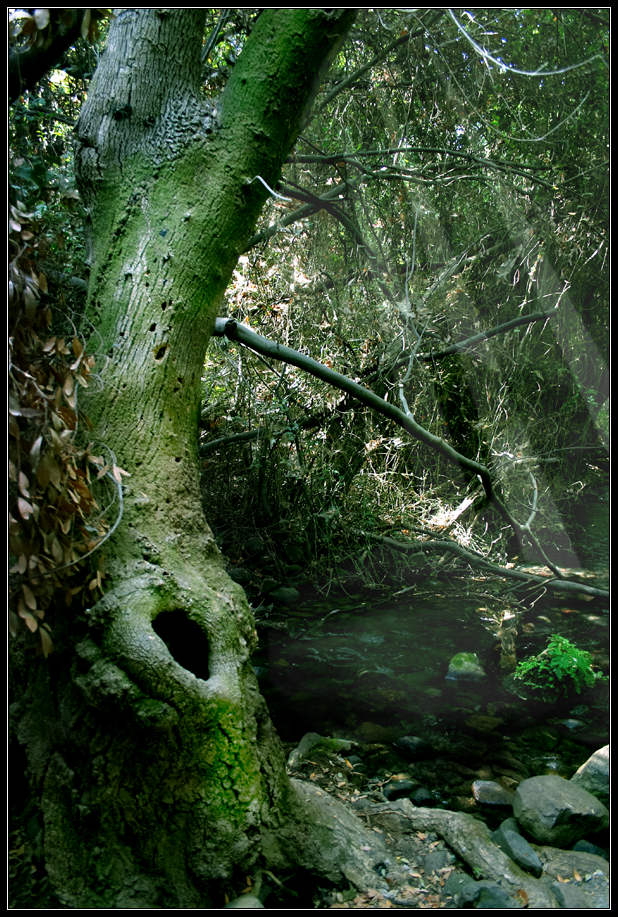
x,y
330,840
471,840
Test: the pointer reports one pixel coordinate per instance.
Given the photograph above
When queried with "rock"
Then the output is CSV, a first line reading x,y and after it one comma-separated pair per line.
x,y
574,897
492,896
587,875
484,894
462,888
465,667
437,859
510,840
482,723
285,595
412,747
422,797
491,793
308,741
569,725
593,775
589,847
504,758
245,901
396,788
555,811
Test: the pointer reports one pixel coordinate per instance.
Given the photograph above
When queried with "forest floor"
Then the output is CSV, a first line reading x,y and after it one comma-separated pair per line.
x,y
418,863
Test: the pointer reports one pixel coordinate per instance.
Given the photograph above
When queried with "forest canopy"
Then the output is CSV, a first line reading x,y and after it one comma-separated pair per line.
x,y
439,234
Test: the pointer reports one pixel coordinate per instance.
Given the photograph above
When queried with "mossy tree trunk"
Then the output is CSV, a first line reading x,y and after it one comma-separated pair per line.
x,y
160,773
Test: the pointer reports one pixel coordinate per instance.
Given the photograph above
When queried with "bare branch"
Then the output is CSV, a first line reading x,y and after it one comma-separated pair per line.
x,y
477,560
237,331
485,335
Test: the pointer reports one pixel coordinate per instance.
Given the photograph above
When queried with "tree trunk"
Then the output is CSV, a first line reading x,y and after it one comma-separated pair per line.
x,y
161,776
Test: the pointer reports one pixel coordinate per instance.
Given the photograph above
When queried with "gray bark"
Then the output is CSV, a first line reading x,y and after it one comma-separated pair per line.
x,y
161,776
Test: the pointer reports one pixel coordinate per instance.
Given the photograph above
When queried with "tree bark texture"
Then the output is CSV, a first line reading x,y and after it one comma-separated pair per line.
x,y
161,775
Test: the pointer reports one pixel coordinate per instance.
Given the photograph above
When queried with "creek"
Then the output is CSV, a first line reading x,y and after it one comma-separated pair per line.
x,y
373,670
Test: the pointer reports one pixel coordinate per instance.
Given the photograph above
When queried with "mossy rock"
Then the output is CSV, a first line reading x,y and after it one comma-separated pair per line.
x,y
465,667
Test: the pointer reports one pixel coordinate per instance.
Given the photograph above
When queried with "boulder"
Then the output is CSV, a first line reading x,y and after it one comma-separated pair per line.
x,y
462,888
555,811
413,748
423,797
492,897
575,897
298,754
438,859
580,879
491,793
593,775
397,787
465,667
467,893
245,902
589,847
508,838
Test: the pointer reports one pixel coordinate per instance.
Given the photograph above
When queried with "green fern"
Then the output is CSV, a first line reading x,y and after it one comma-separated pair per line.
x,y
558,671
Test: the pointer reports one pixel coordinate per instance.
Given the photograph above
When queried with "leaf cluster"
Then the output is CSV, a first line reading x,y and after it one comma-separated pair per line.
x,y
35,28
54,517
558,671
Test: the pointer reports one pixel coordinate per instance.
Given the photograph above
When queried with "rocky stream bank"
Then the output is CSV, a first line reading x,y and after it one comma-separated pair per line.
x,y
476,797
548,848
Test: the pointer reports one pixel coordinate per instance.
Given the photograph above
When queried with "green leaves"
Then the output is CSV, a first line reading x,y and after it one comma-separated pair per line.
x,y
559,670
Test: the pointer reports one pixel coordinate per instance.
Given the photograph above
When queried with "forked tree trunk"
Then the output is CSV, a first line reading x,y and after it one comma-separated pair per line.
x,y
161,775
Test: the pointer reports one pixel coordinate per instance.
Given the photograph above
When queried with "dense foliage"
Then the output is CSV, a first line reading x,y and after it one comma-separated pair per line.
x,y
452,180
434,196
560,670
63,496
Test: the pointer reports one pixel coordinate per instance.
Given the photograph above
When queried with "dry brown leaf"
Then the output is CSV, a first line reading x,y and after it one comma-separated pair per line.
x,y
23,484
29,597
25,509
46,641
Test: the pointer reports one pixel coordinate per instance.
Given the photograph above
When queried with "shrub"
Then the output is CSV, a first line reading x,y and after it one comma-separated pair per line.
x,y
560,670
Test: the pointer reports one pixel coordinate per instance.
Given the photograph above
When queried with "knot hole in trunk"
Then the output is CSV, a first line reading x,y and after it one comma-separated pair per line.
x,y
185,640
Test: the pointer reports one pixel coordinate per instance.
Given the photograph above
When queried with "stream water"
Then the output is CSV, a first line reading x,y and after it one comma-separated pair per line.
x,y
376,670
